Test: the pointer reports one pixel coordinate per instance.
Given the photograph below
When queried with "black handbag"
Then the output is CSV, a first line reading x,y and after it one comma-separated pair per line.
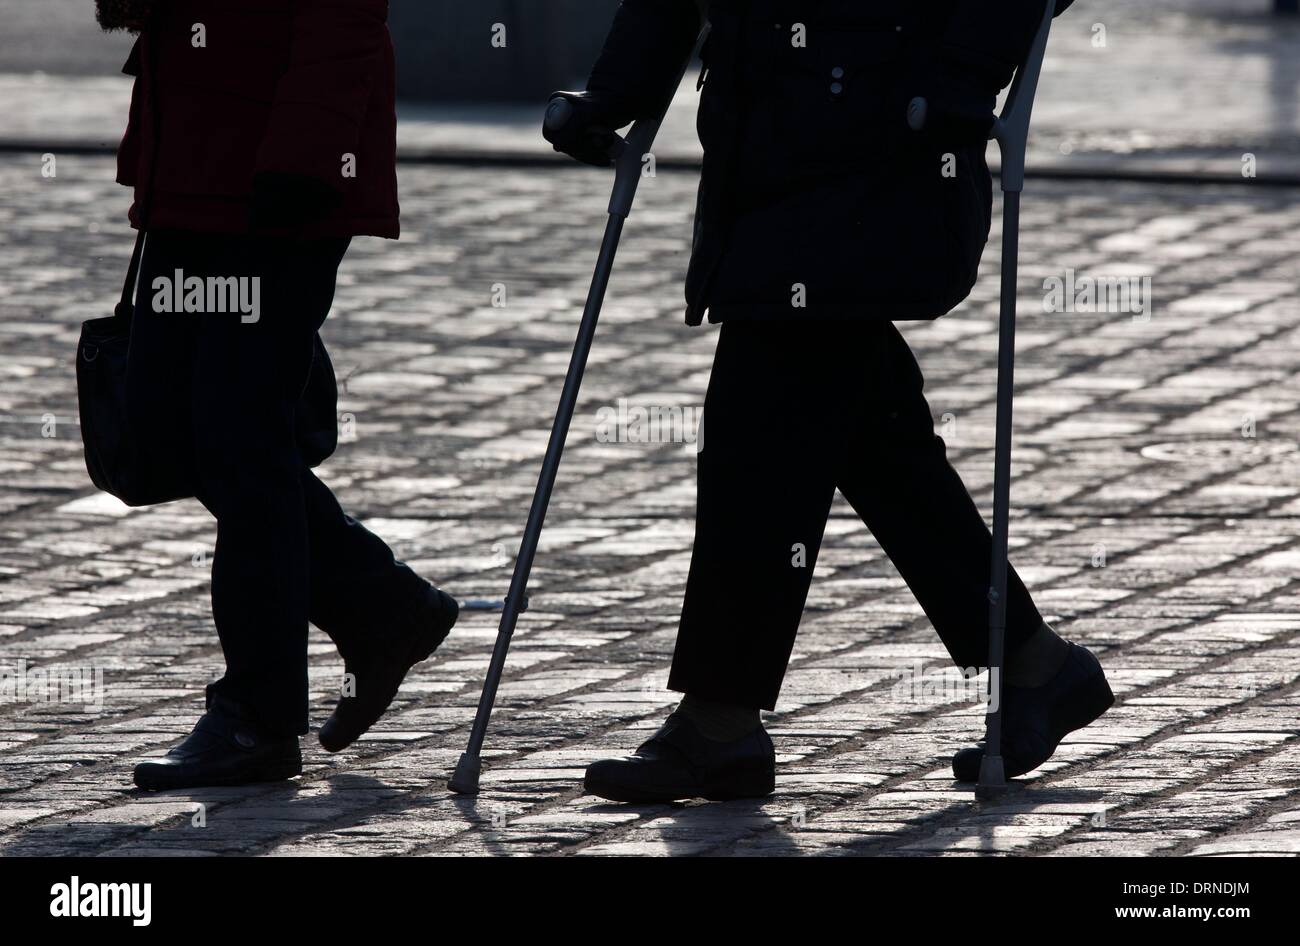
x,y
118,461
143,470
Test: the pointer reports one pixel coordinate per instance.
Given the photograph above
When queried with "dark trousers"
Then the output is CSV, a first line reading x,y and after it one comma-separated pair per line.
x,y
226,389
794,412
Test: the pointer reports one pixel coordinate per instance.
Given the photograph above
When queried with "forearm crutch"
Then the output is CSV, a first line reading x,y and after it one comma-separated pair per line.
x,y
628,165
1011,131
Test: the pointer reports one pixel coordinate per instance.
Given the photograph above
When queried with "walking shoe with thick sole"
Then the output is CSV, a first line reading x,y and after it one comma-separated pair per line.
x,y
678,762
1036,719
376,675
222,750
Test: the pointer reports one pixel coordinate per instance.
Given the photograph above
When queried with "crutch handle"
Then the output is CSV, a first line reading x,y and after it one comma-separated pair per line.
x,y
558,112
918,116
918,112
627,153
1010,129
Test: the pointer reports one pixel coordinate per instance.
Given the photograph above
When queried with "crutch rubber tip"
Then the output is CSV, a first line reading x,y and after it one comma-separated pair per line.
x,y
464,781
993,779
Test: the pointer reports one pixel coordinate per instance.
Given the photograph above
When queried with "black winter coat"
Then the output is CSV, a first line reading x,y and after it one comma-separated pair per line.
x,y
814,190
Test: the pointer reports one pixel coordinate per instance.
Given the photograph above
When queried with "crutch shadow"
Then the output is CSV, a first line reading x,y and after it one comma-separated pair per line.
x,y
483,815
1001,827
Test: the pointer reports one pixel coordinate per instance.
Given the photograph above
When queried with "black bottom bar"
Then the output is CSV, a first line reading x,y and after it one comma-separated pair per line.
x,y
1034,895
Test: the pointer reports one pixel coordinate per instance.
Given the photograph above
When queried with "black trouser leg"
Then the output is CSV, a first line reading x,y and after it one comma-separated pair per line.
x,y
897,477
356,583
246,377
765,488
794,410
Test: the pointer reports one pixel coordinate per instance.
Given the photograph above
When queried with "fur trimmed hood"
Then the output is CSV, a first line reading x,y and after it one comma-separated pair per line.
x,y
124,14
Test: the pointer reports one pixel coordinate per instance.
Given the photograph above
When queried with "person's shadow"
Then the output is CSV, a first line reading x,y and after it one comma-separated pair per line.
x,y
706,828
974,827
210,821
293,816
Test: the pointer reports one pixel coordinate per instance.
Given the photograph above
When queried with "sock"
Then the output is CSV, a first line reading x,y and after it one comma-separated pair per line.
x,y
1038,659
721,722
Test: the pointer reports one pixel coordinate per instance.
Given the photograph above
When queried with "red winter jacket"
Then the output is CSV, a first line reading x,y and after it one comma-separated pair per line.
x,y
244,87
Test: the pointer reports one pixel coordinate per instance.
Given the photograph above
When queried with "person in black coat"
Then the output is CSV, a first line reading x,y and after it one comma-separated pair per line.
x,y
822,219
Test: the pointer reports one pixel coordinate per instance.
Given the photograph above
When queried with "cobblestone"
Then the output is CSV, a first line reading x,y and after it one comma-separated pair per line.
x,y
1155,516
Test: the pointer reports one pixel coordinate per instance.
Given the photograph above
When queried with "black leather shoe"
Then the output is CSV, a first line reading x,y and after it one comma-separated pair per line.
x,y
1036,719
222,750
377,673
678,762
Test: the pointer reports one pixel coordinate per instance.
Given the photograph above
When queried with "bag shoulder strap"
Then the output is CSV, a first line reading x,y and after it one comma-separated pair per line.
x,y
125,306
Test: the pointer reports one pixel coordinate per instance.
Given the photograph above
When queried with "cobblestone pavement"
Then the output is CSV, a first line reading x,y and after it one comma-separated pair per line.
x,y
1156,519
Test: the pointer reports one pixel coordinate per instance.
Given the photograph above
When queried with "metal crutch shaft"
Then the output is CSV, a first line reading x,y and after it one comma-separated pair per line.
x,y
465,779
1011,130
992,778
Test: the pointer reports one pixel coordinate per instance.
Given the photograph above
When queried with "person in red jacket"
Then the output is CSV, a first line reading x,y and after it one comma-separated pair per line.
x,y
262,139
